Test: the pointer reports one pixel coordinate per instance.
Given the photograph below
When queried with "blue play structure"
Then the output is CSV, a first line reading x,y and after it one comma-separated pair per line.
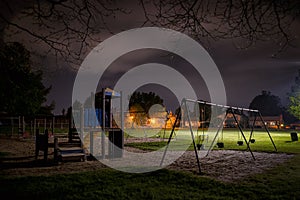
x,y
99,119
91,121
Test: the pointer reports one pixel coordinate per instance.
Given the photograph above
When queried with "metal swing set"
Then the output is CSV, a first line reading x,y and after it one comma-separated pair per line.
x,y
229,110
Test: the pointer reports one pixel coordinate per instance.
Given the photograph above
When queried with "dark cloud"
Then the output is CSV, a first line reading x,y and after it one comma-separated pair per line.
x,y
245,72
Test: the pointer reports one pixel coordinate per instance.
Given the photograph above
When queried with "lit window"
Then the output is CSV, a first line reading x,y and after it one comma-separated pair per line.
x,y
272,123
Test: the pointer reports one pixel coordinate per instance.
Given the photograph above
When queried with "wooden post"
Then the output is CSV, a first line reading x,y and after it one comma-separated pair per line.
x,y
37,140
23,124
45,145
19,126
55,149
31,127
34,127
45,124
12,126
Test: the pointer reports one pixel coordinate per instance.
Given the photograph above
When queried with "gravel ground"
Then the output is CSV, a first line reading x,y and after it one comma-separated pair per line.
x,y
17,159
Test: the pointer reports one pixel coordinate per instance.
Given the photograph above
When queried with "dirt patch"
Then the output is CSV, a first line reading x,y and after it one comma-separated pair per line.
x,y
229,166
17,159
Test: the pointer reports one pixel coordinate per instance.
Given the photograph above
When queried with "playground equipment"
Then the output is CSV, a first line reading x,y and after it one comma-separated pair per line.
x,y
89,137
96,124
41,144
228,110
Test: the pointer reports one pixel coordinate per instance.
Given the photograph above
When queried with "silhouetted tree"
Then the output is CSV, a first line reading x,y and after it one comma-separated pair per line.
x,y
21,90
294,97
140,103
145,100
267,103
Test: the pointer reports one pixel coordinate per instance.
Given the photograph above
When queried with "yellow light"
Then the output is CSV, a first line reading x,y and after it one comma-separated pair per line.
x,y
152,121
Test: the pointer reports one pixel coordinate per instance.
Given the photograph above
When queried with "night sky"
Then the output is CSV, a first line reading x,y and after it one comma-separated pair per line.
x,y
245,72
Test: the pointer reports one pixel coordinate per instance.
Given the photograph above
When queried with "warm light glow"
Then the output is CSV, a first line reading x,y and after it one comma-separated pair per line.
x,y
152,121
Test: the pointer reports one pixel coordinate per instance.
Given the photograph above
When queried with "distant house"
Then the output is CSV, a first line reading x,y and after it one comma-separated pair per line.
x,y
295,125
231,123
273,122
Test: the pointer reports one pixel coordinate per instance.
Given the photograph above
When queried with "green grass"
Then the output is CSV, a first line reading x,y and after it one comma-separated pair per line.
x,y
282,141
281,182
151,146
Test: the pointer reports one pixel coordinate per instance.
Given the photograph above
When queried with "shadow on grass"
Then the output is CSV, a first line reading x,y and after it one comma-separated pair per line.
x,y
10,162
26,164
291,141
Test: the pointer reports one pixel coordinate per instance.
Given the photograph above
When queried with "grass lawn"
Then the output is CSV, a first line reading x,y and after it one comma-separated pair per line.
x,y
282,182
279,183
282,141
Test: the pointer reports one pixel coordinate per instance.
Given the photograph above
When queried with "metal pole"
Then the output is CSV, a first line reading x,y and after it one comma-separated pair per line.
x,y
203,119
171,134
240,129
266,128
165,128
92,143
81,125
70,126
103,124
193,138
110,112
122,121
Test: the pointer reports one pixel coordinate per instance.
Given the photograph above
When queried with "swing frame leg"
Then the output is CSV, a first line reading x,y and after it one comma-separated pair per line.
x,y
241,131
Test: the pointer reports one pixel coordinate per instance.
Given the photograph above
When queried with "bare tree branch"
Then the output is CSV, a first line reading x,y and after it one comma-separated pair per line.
x,y
69,28
249,20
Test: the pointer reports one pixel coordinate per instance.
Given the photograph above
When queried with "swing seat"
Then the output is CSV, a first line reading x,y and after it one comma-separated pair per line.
x,y
252,140
240,143
200,146
220,144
